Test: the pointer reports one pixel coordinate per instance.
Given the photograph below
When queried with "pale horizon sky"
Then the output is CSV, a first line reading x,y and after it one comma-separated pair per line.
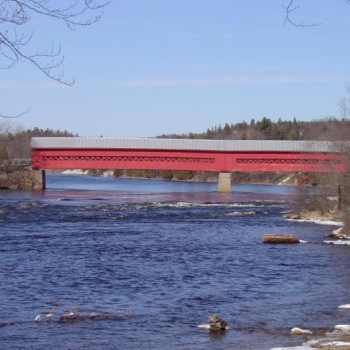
x,y
153,67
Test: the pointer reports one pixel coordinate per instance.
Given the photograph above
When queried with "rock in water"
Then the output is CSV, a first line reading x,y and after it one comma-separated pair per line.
x,y
279,239
216,323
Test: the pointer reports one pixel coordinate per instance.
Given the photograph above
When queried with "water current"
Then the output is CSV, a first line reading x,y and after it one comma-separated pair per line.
x,y
139,264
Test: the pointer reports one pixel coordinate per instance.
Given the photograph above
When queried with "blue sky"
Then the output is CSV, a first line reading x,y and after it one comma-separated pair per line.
x,y
153,67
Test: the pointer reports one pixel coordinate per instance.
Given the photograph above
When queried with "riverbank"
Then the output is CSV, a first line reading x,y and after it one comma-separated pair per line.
x,y
21,179
339,337
333,217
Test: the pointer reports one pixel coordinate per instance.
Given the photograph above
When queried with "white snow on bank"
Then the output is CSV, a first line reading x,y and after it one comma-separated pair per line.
x,y
342,327
338,242
323,343
283,182
328,222
297,330
75,172
337,230
107,173
320,222
303,347
313,345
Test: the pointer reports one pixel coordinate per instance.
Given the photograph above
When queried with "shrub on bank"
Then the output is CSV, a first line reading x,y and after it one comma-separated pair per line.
x,y
183,175
118,172
166,174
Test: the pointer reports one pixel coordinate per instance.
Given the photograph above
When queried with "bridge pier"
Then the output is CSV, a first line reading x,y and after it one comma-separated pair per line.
x,y
43,180
37,180
224,182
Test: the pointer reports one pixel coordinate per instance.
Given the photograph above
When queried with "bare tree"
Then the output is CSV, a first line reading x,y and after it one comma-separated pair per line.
x,y
291,8
338,133
16,22
344,104
344,147
14,172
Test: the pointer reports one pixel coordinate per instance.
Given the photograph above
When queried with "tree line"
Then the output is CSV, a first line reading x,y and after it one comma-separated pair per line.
x,y
15,141
326,129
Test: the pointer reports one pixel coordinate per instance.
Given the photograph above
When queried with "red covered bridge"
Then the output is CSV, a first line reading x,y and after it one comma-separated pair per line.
x,y
185,154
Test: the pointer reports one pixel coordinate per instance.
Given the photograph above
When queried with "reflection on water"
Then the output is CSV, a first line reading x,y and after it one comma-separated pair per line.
x,y
131,190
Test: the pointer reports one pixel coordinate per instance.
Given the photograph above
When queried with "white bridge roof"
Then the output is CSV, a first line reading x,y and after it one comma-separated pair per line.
x,y
182,144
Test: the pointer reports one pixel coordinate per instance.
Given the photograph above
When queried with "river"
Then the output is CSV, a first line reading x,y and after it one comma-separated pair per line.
x,y
139,264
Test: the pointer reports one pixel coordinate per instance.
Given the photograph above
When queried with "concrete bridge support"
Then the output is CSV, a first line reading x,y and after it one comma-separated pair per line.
x,y
224,182
36,180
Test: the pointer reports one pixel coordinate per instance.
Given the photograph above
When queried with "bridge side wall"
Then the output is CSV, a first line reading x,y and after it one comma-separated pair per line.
x,y
218,161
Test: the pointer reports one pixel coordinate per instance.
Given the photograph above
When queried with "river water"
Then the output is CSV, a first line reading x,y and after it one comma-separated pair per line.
x,y
138,264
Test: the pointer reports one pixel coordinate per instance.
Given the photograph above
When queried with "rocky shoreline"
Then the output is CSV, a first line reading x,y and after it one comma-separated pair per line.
x,y
334,217
339,337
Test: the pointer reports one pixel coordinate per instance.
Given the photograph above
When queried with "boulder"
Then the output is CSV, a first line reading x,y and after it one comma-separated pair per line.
x,y
216,323
280,239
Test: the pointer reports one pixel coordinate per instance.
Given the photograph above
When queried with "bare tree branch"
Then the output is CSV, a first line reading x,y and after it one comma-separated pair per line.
x,y
290,8
15,17
7,116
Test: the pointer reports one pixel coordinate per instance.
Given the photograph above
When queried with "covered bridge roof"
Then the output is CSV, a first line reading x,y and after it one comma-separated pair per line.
x,y
181,144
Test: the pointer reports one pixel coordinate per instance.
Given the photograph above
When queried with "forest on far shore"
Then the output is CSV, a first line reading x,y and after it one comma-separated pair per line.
x,y
327,129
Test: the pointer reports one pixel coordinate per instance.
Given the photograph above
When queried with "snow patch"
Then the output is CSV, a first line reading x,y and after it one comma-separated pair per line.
x,y
297,330
338,242
320,222
283,182
303,347
108,174
75,172
342,327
